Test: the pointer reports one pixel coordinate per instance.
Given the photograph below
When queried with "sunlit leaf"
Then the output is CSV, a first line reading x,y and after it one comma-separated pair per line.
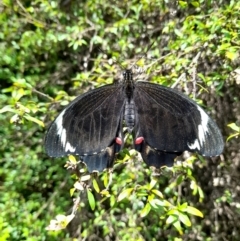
x,y
7,108
85,178
178,226
72,159
171,219
95,186
60,222
184,219
72,190
234,127
157,192
124,194
152,183
91,199
194,211
78,185
33,119
144,212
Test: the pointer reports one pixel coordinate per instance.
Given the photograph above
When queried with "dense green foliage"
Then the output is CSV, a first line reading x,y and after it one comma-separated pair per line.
x,y
50,54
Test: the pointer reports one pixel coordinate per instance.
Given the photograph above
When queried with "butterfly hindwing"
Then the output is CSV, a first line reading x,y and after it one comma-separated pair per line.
x,y
171,122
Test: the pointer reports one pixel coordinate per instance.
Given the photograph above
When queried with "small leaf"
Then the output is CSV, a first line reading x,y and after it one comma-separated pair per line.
x,y
95,186
157,192
155,203
7,108
171,219
234,127
78,185
105,193
183,206
177,225
194,211
17,94
60,222
145,210
105,180
14,118
195,4
182,4
152,183
22,107
33,119
231,55
185,219
125,193
72,159
180,179
72,190
85,178
233,135
91,199
173,212
201,194
166,203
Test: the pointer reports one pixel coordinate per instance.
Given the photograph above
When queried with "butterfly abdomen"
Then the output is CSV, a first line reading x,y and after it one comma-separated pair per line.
x,y
129,115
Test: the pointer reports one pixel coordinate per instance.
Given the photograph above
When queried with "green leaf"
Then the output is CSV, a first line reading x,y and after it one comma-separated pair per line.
x,y
105,179
60,222
166,203
195,4
183,206
105,193
125,193
157,192
145,210
33,119
14,118
72,159
95,185
173,212
234,127
182,4
178,226
155,203
231,55
17,94
194,211
185,219
152,183
72,190
7,108
233,135
91,199
171,219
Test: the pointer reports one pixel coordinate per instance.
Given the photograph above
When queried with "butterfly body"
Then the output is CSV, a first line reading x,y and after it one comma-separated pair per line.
x,y
164,123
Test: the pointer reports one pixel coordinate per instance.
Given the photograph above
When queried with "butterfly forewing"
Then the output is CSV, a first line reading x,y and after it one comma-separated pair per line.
x,y
171,122
88,125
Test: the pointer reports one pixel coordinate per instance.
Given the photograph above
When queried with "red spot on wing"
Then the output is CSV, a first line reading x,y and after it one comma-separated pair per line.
x,y
139,140
118,140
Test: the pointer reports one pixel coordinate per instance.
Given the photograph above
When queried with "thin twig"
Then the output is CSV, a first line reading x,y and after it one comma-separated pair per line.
x,y
42,94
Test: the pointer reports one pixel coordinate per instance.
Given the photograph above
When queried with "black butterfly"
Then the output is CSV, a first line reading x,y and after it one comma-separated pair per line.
x,y
164,123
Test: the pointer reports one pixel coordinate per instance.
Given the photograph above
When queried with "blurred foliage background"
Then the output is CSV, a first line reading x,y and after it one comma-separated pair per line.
x,y
50,54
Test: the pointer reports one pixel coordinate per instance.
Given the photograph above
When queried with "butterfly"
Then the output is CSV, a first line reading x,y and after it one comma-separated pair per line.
x,y
164,123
